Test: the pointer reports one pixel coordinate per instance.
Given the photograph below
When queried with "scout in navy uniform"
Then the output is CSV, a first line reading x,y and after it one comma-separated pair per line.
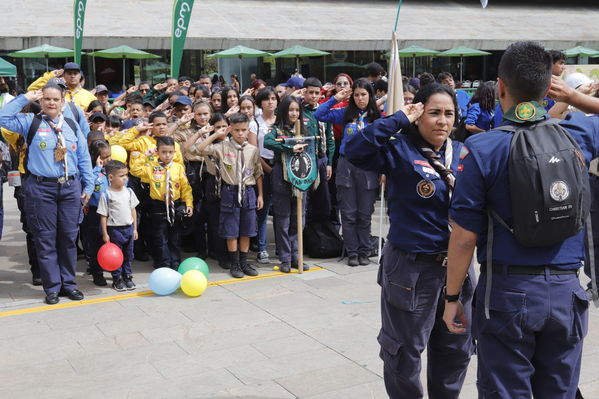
x,y
319,203
58,165
531,342
240,170
419,164
91,239
356,187
284,205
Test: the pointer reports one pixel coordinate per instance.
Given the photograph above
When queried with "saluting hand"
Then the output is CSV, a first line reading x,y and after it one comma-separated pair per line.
x,y
234,109
58,73
34,95
559,90
99,161
185,119
413,111
343,94
144,126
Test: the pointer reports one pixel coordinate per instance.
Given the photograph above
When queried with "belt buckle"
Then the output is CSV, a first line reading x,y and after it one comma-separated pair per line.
x,y
62,180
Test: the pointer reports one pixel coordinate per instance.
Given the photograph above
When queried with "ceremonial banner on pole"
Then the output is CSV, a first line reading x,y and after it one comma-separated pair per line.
x,y
79,18
181,18
301,169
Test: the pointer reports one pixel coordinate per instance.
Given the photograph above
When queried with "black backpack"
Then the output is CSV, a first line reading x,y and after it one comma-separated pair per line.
x,y
549,184
322,240
549,190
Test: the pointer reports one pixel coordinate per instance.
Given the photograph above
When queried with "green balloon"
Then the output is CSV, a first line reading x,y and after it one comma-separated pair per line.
x,y
194,263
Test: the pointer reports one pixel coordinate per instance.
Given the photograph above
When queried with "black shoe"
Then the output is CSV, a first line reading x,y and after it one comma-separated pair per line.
x,y
353,261
118,284
142,257
75,295
294,265
249,270
254,247
236,271
99,280
36,280
285,268
224,264
129,282
363,260
52,298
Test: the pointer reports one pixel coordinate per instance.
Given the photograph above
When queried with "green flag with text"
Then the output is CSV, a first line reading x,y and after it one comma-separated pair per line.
x,y
79,16
181,18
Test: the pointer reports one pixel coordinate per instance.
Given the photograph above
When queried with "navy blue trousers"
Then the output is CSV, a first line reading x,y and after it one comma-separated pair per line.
x,y
53,215
412,308
122,236
532,343
166,238
19,196
319,200
91,238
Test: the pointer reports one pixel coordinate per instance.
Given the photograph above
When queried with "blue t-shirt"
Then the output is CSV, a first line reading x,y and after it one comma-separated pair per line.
x,y
482,181
479,117
463,99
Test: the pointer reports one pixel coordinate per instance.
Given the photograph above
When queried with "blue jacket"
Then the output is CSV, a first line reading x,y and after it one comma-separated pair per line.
x,y
100,184
479,117
483,180
41,153
419,221
463,100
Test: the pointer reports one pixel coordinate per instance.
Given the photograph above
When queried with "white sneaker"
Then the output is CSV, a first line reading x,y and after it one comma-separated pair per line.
x,y
262,257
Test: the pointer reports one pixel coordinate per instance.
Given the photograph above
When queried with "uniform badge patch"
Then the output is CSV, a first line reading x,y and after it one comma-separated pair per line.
x,y
559,191
97,188
464,152
248,172
228,167
425,188
74,147
157,185
525,111
350,130
43,145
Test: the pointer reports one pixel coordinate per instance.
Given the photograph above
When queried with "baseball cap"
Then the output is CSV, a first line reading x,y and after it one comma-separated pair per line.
x,y
294,81
577,79
98,115
58,82
183,100
101,88
71,66
150,103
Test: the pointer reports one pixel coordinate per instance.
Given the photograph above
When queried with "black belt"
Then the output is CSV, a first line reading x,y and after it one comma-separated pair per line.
x,y
60,179
440,258
269,162
528,270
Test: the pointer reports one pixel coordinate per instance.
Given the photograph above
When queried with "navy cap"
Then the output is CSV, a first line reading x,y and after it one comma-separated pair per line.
x,y
150,103
98,115
183,100
294,81
71,66
57,81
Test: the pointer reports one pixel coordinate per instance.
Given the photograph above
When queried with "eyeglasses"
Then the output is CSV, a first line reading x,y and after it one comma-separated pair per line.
x,y
144,90
342,84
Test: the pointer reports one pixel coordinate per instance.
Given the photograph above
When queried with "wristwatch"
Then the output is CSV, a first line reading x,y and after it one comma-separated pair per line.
x,y
450,298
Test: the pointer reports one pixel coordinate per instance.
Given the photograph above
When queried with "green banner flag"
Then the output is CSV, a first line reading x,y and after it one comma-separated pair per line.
x,y
79,16
181,17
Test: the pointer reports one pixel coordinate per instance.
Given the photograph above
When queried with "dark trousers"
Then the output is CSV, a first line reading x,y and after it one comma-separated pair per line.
x,y
284,207
412,308
594,184
91,238
356,195
166,238
263,213
53,214
319,200
122,236
31,254
532,343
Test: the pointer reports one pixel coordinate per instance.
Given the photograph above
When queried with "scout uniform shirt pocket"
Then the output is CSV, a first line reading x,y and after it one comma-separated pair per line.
x,y
428,178
44,139
158,177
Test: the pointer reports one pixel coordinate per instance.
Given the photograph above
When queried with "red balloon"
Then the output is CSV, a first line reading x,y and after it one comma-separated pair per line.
x,y
110,256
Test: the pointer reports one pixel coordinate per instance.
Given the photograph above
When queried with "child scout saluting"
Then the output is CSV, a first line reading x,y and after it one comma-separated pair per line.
x,y
240,168
168,187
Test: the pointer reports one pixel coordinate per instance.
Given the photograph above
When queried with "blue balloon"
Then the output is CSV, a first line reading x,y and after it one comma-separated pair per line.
x,y
164,281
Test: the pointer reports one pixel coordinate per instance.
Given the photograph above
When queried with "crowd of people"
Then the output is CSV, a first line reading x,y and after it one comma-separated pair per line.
x,y
205,169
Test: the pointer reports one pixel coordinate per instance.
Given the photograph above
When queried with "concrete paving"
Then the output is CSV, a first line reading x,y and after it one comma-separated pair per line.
x,y
309,336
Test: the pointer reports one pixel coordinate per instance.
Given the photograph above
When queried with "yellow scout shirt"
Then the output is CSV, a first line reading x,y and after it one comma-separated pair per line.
x,y
132,142
81,97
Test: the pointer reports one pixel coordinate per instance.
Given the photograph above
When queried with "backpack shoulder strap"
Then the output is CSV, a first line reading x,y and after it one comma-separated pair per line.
x,y
74,127
74,110
35,124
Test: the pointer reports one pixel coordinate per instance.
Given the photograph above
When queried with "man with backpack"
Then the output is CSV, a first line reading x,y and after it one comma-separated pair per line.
x,y
522,191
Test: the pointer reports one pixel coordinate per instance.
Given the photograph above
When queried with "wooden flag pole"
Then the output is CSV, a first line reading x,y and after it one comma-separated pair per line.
x,y
300,225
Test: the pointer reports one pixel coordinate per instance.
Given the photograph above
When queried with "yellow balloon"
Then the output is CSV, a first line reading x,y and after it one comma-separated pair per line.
x,y
194,283
118,153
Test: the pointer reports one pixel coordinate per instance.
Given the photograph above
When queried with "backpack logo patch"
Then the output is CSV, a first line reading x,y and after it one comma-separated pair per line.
x,y
425,188
554,160
559,191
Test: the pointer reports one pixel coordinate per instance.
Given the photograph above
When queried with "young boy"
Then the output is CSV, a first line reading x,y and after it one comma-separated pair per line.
x,y
118,221
240,167
168,189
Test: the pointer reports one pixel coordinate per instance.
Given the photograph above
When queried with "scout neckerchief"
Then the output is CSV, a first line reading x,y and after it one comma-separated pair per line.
x,y
360,122
169,193
435,160
240,169
322,132
61,149
73,93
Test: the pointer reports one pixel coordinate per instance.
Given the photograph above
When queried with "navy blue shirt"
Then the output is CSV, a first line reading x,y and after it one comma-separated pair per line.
x,y
482,180
419,223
